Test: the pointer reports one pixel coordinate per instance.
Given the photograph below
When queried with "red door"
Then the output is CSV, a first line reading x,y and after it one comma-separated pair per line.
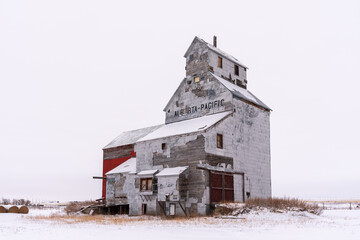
x,y
221,187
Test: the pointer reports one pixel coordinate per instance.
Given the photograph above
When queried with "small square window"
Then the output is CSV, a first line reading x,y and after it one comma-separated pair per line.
x,y
220,62
163,146
196,79
236,70
146,184
219,141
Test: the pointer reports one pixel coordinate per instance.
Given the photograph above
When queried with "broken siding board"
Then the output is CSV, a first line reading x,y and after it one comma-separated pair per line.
x,y
214,159
118,152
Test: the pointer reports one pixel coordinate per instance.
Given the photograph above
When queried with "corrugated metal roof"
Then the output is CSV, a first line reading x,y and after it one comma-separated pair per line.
x,y
129,166
240,92
131,137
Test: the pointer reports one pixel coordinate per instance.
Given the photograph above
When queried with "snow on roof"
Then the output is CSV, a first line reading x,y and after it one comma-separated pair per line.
x,y
131,137
224,54
129,166
215,49
147,172
171,171
241,92
186,126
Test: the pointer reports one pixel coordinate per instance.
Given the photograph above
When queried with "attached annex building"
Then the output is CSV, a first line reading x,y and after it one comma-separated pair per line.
x,y
213,147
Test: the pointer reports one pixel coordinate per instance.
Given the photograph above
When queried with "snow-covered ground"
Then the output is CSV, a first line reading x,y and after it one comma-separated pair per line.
x,y
331,224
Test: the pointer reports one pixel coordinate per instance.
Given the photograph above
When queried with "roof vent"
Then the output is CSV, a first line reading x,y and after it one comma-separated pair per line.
x,y
214,41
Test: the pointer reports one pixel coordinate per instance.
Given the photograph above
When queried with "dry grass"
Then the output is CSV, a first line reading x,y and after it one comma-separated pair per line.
x,y
222,210
125,220
99,219
75,207
275,204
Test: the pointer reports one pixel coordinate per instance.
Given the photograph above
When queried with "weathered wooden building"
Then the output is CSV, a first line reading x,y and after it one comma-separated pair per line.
x,y
213,147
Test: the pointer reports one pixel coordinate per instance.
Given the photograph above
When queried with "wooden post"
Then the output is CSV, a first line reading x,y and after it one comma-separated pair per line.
x,y
183,209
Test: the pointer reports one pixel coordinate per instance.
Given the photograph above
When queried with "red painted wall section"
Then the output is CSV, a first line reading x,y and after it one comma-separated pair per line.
x,y
110,164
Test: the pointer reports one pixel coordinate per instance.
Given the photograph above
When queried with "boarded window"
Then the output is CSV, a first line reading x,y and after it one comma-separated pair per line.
x,y
149,184
196,79
236,70
146,184
220,62
219,142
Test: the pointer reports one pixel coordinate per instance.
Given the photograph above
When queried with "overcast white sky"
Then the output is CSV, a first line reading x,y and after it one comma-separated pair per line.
x,y
74,74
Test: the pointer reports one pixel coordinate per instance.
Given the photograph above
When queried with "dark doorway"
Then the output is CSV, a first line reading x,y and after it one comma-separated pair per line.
x,y
114,210
221,187
119,209
143,207
124,209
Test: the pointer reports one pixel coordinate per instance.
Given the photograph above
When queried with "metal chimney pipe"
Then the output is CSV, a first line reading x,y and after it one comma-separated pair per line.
x,y
214,41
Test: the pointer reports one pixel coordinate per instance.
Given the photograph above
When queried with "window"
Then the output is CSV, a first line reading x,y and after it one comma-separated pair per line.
x,y
236,70
191,57
220,62
163,146
196,79
219,141
146,184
